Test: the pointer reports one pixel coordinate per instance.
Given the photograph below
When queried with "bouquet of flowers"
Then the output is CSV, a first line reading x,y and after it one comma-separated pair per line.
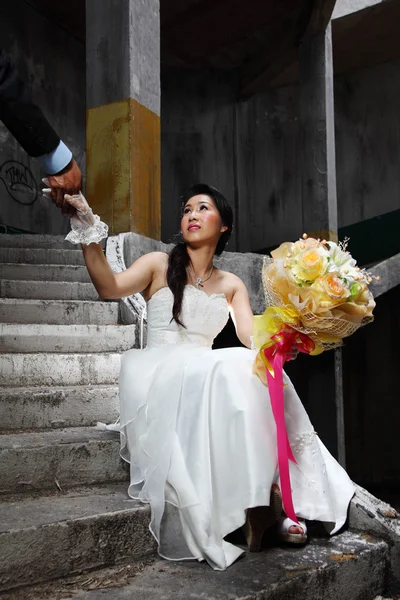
x,y
316,296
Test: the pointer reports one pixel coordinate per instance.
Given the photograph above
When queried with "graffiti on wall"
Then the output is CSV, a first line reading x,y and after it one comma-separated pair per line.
x,y
19,182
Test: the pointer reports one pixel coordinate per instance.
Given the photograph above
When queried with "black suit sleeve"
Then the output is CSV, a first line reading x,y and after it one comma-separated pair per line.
x,y
24,119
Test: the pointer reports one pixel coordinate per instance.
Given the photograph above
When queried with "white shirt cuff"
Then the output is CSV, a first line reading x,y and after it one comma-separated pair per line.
x,y
56,160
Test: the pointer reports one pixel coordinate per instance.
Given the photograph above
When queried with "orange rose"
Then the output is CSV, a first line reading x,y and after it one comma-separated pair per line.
x,y
329,291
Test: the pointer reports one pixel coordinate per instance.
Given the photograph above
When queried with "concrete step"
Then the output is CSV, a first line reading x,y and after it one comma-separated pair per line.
x,y
62,312
36,241
41,408
347,567
27,370
63,458
48,537
47,290
49,272
45,256
66,338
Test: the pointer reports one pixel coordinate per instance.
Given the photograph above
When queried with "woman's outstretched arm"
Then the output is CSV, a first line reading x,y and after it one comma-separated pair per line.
x,y
136,278
241,312
88,230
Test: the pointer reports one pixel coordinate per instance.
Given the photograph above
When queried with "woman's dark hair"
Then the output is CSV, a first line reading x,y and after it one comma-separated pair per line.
x,y
178,260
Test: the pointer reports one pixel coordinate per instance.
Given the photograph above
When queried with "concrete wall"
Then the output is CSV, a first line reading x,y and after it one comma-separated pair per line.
x,y
52,63
251,150
371,393
368,142
197,138
248,150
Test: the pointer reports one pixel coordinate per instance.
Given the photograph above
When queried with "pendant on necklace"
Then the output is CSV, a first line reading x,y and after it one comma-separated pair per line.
x,y
199,283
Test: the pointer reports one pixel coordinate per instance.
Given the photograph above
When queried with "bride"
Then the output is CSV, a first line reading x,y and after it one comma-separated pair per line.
x,y
196,425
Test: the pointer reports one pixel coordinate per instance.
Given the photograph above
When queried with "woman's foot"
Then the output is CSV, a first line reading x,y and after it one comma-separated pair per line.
x,y
261,518
291,532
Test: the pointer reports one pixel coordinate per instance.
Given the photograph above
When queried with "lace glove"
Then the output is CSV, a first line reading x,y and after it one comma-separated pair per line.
x,y
86,227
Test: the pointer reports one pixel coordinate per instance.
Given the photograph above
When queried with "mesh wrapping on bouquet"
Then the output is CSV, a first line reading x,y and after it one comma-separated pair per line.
x,y
315,326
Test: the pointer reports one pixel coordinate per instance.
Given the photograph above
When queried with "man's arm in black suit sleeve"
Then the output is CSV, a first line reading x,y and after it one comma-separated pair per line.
x,y
20,115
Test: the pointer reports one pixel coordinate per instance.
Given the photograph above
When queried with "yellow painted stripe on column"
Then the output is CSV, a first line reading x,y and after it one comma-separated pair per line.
x,y
123,166
146,171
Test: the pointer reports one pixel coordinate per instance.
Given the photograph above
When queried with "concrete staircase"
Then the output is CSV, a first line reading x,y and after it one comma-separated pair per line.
x,y
64,509
63,501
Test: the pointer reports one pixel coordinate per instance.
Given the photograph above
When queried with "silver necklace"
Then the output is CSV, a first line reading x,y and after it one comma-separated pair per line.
x,y
200,282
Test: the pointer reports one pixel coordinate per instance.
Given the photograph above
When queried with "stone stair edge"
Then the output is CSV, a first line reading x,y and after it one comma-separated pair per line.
x,y
18,369
48,290
60,302
45,408
83,354
81,530
52,328
20,311
44,272
308,573
45,265
38,240
35,256
63,458
4,390
24,510
46,338
67,435
89,327
6,238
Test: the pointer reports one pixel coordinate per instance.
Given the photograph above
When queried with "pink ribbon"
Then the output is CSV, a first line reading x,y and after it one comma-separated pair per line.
x,y
275,355
285,453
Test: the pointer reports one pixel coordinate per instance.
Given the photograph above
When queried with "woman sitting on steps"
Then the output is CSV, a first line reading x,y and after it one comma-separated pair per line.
x,y
196,425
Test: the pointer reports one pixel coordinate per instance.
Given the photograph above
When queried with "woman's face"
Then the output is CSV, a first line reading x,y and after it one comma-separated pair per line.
x,y
201,220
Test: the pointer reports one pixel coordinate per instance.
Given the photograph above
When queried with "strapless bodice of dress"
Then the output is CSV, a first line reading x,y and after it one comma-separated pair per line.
x,y
203,315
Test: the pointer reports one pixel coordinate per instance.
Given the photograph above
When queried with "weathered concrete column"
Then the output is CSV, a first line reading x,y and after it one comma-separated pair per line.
x,y
123,113
317,120
319,207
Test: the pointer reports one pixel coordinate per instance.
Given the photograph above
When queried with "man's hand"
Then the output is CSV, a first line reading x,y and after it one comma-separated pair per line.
x,y
67,181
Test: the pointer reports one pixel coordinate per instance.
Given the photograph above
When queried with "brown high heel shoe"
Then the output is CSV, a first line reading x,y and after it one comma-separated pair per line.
x,y
261,518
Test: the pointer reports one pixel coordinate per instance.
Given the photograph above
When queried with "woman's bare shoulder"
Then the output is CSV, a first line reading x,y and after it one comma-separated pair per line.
x,y
230,278
231,283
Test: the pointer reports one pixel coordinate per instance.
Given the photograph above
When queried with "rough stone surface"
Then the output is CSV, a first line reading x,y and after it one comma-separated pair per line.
x,y
66,458
19,370
47,290
47,537
346,567
389,273
46,256
41,408
126,34
30,241
76,273
66,338
62,312
374,517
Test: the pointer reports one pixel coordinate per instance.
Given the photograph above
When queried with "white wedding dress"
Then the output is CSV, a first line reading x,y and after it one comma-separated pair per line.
x,y
198,431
